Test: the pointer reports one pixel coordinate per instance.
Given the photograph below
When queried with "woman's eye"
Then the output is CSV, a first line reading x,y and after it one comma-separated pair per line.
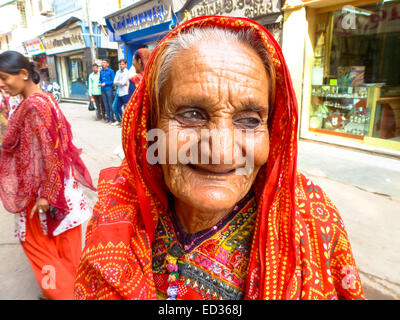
x,y
191,115
250,122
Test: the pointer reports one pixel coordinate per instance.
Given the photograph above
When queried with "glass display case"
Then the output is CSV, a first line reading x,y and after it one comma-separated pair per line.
x,y
343,110
355,89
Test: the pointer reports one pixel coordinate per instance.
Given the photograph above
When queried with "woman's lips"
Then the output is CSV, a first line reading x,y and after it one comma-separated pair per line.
x,y
219,170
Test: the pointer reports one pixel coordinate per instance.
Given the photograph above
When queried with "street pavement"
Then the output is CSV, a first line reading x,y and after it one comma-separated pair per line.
x,y
364,187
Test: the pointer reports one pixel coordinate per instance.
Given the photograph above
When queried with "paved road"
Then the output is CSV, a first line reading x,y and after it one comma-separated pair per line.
x,y
365,192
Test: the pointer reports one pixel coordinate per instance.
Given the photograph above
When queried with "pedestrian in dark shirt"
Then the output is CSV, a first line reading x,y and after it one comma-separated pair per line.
x,y
106,82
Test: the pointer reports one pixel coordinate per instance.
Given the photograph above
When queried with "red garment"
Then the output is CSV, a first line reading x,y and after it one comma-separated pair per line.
x,y
37,154
300,249
136,79
54,260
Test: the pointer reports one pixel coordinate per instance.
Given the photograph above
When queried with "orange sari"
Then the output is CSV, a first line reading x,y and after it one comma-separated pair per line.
x,y
299,250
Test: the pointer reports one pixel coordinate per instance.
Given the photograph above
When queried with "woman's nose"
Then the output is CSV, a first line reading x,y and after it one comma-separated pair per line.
x,y
217,146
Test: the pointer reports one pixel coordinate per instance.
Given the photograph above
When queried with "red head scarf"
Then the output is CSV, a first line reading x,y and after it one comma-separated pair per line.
x,y
144,55
300,249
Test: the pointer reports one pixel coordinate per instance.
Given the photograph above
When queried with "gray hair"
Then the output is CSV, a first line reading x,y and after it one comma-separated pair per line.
x,y
189,38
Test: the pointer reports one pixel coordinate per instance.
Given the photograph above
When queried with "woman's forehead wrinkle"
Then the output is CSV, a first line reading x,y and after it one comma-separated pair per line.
x,y
215,77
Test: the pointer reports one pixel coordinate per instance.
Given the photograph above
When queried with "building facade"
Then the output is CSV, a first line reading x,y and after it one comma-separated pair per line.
x,y
74,37
64,37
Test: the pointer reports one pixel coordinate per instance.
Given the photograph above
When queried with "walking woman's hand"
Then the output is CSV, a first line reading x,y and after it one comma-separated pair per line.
x,y
42,205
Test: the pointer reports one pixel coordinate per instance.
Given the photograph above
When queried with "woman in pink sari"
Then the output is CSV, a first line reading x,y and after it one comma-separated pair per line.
x,y
41,177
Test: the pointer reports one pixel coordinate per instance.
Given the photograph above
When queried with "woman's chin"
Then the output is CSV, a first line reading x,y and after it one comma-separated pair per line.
x,y
213,199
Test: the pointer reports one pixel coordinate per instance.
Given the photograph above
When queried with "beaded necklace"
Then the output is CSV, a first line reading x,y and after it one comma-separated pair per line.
x,y
175,256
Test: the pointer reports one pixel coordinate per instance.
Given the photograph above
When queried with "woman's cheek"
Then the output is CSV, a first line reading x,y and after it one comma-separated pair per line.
x,y
261,148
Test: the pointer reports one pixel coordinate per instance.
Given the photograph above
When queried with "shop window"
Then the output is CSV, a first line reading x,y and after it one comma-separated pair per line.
x,y
355,78
77,76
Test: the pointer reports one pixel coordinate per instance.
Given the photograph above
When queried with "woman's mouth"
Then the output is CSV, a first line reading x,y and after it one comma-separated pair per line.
x,y
219,170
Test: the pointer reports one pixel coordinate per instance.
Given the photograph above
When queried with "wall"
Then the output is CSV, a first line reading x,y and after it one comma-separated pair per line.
x,y
293,41
308,64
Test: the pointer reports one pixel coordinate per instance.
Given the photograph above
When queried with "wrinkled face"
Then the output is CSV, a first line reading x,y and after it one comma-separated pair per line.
x,y
13,84
209,89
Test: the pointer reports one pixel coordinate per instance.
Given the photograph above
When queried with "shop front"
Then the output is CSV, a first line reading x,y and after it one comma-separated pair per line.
x,y
70,55
351,84
142,24
72,58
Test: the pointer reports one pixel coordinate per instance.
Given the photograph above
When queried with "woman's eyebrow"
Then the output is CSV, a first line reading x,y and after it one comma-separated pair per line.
x,y
206,102
192,100
188,106
254,106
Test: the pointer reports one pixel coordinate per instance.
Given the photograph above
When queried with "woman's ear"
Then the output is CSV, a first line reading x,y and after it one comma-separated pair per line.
x,y
24,74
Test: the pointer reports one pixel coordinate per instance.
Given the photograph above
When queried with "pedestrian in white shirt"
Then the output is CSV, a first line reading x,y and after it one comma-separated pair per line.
x,y
122,82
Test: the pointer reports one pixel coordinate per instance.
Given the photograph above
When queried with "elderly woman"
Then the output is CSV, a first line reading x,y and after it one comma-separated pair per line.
x,y
202,230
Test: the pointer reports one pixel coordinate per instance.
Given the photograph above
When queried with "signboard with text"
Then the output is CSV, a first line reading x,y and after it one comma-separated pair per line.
x,y
64,40
234,8
141,17
34,47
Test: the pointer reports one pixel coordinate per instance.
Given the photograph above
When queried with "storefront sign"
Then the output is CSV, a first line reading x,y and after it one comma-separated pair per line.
x,y
144,16
235,8
34,47
64,40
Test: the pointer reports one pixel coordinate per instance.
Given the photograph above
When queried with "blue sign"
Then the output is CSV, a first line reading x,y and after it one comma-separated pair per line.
x,y
154,15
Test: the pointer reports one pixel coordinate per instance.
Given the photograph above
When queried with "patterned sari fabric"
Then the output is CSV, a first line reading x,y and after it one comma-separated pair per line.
x,y
210,264
37,155
299,248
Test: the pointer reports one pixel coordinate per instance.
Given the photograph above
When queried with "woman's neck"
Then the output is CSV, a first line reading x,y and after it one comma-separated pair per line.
x,y
193,220
30,89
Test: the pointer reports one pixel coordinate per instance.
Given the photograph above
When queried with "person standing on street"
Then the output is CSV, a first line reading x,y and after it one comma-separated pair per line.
x,y
140,58
122,82
115,101
41,175
95,92
106,82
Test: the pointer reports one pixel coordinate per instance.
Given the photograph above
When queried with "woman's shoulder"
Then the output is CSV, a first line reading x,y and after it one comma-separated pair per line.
x,y
136,78
38,100
116,206
36,105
